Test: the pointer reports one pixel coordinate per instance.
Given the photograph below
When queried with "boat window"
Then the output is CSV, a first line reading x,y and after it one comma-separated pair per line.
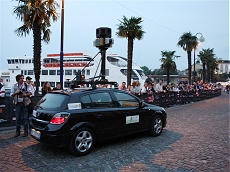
x,y
44,72
52,72
30,61
12,61
26,61
68,72
25,72
117,61
30,72
23,61
16,61
140,72
107,72
52,84
87,72
133,76
58,72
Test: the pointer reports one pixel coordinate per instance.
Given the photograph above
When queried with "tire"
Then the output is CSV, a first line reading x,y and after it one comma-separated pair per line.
x,y
82,142
156,126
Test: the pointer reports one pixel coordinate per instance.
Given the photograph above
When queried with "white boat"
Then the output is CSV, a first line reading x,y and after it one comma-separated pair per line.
x,y
116,68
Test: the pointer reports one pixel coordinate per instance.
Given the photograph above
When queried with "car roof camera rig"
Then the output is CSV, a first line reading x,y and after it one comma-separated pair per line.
x,y
103,42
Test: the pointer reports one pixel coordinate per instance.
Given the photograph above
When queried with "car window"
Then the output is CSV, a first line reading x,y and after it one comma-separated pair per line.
x,y
102,100
86,102
126,100
47,102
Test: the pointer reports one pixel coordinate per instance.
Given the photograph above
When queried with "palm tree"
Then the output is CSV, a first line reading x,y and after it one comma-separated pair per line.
x,y
213,67
206,56
167,62
130,29
36,15
188,42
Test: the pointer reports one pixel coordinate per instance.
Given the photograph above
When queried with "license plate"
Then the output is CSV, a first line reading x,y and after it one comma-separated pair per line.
x,y
35,133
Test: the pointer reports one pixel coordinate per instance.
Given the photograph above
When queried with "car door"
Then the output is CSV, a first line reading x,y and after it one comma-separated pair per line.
x,y
136,118
103,113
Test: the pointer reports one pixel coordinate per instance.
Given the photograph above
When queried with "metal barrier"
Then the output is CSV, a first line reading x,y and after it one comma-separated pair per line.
x,y
7,109
160,99
181,97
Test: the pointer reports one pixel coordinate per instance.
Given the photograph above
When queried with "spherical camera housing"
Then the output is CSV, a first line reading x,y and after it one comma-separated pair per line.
x,y
103,32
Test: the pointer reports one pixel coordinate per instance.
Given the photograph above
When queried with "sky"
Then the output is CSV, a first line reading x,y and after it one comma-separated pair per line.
x,y
163,21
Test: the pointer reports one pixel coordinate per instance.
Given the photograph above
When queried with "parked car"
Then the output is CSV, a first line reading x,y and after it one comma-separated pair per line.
x,y
79,118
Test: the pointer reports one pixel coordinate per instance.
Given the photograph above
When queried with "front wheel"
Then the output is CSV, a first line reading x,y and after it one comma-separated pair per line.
x,y
156,126
82,142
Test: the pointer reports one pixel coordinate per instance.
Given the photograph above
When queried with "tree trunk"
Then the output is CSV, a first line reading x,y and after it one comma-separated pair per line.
x,y
130,60
168,79
204,73
37,54
189,67
208,73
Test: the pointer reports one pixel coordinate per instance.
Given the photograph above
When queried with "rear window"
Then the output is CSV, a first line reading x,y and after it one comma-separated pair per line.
x,y
51,101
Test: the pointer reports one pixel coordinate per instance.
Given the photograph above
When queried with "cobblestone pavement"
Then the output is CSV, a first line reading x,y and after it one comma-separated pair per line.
x,y
196,139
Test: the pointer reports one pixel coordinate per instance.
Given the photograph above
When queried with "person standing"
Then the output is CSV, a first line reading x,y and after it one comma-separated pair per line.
x,y
29,84
58,86
123,86
46,88
20,91
159,87
149,79
2,88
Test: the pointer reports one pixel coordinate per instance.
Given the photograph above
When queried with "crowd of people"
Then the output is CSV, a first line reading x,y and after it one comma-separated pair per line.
x,y
23,90
149,88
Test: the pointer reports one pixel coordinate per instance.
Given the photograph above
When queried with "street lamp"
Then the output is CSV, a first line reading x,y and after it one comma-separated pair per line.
x,y
61,50
201,39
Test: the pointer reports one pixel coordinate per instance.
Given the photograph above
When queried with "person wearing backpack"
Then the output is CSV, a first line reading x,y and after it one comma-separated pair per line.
x,y
21,92
2,88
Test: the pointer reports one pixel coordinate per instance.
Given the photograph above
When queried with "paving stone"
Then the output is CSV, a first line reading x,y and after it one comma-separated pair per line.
x,y
196,139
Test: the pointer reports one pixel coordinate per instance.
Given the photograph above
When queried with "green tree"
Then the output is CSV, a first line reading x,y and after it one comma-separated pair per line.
x,y
146,70
36,15
168,63
188,42
206,56
130,29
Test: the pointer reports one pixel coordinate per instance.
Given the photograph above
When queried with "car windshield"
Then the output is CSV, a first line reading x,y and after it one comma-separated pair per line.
x,y
51,101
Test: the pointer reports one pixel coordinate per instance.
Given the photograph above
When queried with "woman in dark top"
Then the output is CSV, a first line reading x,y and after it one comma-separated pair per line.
x,y
46,88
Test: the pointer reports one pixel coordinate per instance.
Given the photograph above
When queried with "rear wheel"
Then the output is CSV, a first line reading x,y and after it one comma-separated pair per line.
x,y
156,126
82,142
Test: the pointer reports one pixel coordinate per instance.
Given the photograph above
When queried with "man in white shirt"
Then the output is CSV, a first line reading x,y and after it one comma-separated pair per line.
x,y
159,87
21,92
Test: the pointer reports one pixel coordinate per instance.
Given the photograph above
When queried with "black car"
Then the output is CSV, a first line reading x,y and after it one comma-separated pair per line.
x,y
79,118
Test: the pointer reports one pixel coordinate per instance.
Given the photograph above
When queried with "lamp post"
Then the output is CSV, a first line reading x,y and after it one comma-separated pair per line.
x,y
201,39
61,50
